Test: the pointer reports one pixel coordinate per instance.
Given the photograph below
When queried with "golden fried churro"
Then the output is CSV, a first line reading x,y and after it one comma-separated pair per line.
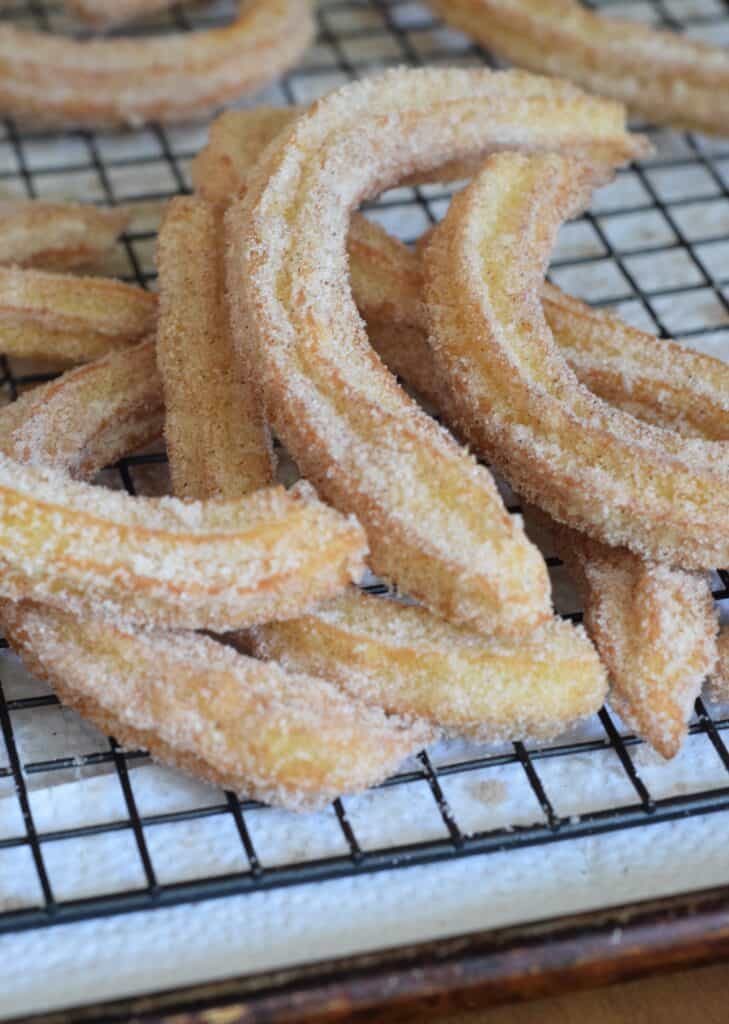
x,y
73,319
216,435
216,565
57,236
662,75
289,739
62,81
659,381
509,389
238,137
89,417
409,662
718,688
434,519
235,142
655,628
292,740
102,14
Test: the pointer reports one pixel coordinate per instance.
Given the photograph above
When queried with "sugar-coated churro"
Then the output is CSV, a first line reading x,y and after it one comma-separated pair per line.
x,y
434,519
512,394
217,440
88,417
718,688
235,142
290,739
409,662
287,738
662,75
55,80
57,236
657,380
655,628
238,137
73,319
208,565
103,14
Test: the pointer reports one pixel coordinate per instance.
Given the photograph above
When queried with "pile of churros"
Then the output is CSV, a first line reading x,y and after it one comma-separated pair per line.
x,y
223,628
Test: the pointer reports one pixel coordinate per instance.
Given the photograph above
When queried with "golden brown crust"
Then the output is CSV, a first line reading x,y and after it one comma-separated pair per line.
x,y
88,417
588,464
655,628
104,14
73,319
57,236
200,565
55,80
286,738
434,519
411,663
659,381
718,688
217,440
665,76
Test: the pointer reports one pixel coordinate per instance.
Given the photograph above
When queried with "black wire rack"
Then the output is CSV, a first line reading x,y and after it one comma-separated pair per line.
x,y
655,246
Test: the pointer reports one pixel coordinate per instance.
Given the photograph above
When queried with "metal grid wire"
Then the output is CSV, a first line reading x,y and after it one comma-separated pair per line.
x,y
655,247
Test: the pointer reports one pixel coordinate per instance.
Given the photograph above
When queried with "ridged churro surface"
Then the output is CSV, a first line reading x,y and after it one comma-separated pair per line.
x,y
665,76
57,236
513,396
55,80
217,440
73,319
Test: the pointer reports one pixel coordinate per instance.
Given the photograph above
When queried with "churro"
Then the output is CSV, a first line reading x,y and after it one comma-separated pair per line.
x,y
434,519
209,565
588,464
103,14
73,319
57,236
89,417
655,628
289,739
659,381
409,662
235,142
665,76
217,440
55,80
718,688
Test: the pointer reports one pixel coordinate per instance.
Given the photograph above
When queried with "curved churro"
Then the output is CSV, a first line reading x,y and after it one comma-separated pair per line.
x,y
235,142
409,662
655,628
89,417
718,688
216,435
73,319
434,519
290,739
657,380
588,464
216,565
61,81
103,14
662,75
57,236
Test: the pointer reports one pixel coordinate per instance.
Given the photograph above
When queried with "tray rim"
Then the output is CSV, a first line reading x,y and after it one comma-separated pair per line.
x,y
476,970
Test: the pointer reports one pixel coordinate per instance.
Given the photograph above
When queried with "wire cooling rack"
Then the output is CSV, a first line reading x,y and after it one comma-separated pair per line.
x,y
655,246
